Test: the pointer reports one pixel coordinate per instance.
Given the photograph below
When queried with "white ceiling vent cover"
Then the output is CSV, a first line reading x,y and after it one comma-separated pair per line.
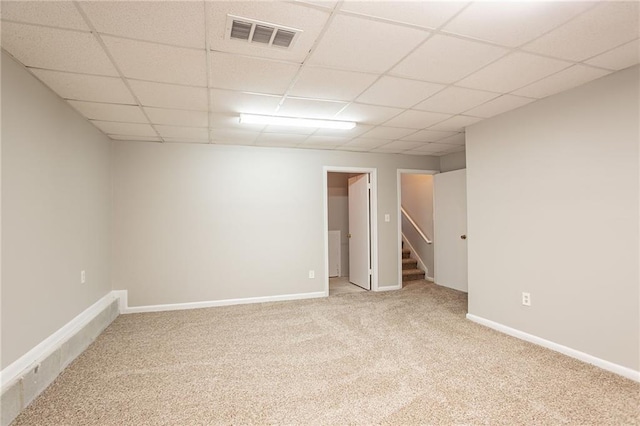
x,y
260,33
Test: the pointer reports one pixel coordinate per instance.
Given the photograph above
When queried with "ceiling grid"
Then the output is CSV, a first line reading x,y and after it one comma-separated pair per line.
x,y
412,75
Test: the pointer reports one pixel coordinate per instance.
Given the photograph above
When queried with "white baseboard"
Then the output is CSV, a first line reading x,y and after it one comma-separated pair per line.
x,y
215,303
52,343
431,279
122,296
573,353
390,287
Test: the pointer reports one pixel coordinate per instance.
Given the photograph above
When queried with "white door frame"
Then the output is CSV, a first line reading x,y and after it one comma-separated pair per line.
x,y
399,174
373,178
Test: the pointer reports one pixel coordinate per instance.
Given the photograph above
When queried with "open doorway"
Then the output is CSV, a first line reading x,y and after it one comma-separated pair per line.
x,y
415,225
350,230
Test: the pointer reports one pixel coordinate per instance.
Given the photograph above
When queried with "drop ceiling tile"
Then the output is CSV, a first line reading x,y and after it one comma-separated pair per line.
x,y
347,147
454,100
428,136
177,117
280,140
185,140
132,129
233,136
177,23
457,139
160,63
135,138
619,58
237,102
432,147
416,119
566,79
499,105
604,27
110,112
86,87
170,95
56,49
444,59
53,13
318,145
320,3
415,153
398,92
456,123
359,44
324,83
430,14
351,133
387,151
367,143
250,74
513,72
305,108
183,132
400,145
368,114
320,142
308,19
513,23
390,133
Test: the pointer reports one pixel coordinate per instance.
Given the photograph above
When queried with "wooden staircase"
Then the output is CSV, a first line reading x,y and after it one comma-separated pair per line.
x,y
410,270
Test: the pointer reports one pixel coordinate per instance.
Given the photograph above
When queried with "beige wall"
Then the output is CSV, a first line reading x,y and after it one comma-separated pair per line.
x,y
417,200
453,161
338,214
553,211
211,222
55,212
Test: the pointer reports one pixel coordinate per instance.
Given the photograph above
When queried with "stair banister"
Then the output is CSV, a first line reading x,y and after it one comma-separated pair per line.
x,y
415,225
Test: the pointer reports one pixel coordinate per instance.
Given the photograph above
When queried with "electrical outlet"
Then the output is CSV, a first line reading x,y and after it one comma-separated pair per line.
x,y
526,299
83,277
312,274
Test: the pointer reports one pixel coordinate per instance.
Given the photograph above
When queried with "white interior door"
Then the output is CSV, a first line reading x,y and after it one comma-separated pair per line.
x,y
450,229
359,237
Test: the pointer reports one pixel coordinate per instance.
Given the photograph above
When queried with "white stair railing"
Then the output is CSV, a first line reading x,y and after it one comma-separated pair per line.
x,y
415,225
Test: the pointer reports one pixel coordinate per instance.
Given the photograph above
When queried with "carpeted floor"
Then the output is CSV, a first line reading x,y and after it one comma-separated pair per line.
x,y
341,285
403,357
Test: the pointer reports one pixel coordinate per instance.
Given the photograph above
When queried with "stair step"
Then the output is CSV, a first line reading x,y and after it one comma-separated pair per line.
x,y
406,253
409,264
412,274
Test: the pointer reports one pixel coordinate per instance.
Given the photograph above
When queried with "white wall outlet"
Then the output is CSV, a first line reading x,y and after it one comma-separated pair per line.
x,y
526,299
312,274
83,277
387,217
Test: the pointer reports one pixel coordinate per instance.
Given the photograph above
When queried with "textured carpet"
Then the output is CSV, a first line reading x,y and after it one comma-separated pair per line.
x,y
403,357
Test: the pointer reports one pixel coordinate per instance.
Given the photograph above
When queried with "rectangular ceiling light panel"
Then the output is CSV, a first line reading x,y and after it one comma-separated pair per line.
x,y
295,122
261,33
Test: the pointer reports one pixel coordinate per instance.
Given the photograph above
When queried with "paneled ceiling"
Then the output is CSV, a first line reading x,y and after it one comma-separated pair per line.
x,y
411,74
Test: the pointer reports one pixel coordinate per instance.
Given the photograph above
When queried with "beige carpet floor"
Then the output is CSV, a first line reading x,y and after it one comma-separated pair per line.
x,y
341,285
395,358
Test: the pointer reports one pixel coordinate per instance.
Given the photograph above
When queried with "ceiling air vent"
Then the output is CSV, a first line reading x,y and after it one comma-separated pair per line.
x,y
261,33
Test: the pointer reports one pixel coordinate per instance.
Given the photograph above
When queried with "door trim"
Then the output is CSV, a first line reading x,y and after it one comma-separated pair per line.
x,y
373,180
399,174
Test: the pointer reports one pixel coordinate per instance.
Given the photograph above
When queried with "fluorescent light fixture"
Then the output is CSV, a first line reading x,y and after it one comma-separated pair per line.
x,y
295,122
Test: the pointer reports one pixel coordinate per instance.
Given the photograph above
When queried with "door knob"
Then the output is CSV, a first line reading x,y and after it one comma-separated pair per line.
x,y
464,237
348,235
